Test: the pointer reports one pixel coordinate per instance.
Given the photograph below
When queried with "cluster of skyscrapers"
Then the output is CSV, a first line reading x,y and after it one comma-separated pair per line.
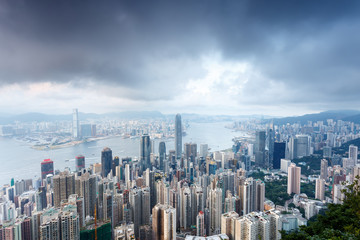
x,y
181,193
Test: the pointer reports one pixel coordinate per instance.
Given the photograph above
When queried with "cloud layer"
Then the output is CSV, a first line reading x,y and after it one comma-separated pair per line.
x,y
283,57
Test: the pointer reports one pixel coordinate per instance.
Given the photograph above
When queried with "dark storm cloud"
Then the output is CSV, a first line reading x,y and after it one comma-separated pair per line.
x,y
152,48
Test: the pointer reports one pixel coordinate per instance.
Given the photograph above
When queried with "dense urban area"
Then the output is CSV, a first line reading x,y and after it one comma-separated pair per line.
x,y
272,184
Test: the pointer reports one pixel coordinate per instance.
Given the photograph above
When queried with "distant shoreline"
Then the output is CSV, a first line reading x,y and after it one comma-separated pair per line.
x,y
68,144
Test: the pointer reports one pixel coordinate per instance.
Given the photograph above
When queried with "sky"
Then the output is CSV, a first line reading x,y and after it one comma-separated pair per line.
x,y
277,58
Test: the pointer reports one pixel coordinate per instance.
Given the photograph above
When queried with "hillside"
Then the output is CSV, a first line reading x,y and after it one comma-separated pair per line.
x,y
345,147
322,116
338,222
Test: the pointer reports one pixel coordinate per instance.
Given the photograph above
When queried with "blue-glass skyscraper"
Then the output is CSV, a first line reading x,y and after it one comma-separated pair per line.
x,y
178,136
106,161
145,151
162,155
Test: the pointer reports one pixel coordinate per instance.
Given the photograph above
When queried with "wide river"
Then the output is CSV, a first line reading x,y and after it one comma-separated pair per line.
x,y
18,160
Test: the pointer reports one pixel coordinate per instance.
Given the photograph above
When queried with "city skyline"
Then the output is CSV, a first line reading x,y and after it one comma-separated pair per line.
x,y
239,192
183,120
209,57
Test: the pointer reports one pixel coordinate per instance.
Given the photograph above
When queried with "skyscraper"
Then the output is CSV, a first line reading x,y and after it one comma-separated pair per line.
x,y
200,227
353,154
323,169
86,188
279,153
303,145
145,151
190,150
252,195
64,186
178,136
115,162
203,150
75,124
106,161
294,174
327,152
228,224
215,205
79,162
47,167
320,189
260,148
293,144
164,222
270,139
162,155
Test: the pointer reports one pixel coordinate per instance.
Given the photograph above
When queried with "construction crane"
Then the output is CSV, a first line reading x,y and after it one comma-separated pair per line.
x,y
95,223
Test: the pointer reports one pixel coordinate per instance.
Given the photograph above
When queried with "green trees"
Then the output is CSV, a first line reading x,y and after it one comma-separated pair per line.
x,y
338,222
276,191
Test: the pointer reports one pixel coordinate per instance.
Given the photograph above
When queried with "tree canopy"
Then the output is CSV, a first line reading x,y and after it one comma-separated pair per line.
x,y
338,222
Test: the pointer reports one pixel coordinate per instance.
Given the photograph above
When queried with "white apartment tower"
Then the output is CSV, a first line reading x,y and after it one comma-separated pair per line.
x,y
294,174
320,189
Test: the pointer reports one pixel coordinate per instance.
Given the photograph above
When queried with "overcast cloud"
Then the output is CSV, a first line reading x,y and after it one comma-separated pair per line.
x,y
228,57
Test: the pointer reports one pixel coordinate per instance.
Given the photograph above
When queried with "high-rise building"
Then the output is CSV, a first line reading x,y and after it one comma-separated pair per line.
x,y
64,186
203,150
35,223
93,130
79,162
85,130
279,153
228,224
185,207
40,198
253,226
164,222
124,231
320,189
303,145
293,184
115,162
162,155
293,144
285,163
353,154
327,152
135,206
69,223
145,232
26,230
127,175
250,148
85,186
145,152
60,224
339,195
260,138
324,169
178,136
106,162
75,125
190,150
270,139
47,167
200,227
215,205
145,206
252,196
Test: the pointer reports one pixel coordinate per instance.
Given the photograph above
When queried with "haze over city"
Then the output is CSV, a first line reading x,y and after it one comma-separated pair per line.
x,y
209,57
